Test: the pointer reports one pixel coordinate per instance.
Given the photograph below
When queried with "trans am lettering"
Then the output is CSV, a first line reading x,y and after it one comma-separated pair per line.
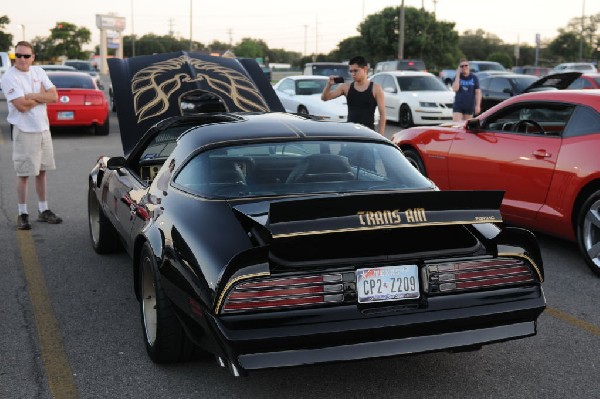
x,y
391,217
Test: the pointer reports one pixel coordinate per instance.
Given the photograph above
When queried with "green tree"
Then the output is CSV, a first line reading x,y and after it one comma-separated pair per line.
x,y
5,38
478,44
424,37
67,39
501,57
566,47
251,48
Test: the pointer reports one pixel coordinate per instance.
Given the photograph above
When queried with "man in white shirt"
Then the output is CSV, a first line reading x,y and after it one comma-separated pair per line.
x,y
27,90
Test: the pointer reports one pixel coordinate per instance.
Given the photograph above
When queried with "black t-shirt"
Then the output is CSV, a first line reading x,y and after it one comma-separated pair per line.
x,y
361,106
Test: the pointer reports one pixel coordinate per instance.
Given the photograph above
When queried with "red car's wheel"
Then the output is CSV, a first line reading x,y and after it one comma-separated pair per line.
x,y
588,231
415,160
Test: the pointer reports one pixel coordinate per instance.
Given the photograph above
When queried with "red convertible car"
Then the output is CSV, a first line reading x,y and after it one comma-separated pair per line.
x,y
540,148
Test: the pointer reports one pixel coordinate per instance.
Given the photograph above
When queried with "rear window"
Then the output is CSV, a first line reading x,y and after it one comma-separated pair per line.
x,y
332,69
299,167
420,83
74,81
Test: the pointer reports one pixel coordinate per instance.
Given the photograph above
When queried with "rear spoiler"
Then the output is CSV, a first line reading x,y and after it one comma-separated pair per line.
x,y
346,213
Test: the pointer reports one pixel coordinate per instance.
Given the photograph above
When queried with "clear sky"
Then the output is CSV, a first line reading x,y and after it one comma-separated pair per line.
x,y
305,26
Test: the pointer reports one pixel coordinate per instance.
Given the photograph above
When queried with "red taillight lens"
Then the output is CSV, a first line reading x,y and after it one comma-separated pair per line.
x,y
94,99
460,276
283,292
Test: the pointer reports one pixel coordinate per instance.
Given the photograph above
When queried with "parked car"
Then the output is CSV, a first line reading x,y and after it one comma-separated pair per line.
x,y
497,88
87,67
5,63
586,81
413,97
447,76
274,240
80,103
583,67
531,70
491,72
328,69
539,148
57,68
400,65
302,94
480,66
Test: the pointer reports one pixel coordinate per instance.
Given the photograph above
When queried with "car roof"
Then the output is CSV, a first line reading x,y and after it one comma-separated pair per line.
x,y
406,73
306,77
216,129
590,97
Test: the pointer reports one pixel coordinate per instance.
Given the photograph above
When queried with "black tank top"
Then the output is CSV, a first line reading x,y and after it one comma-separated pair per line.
x,y
361,106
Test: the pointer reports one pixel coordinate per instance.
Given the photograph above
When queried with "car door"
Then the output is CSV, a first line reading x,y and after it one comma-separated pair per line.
x,y
391,95
286,92
510,155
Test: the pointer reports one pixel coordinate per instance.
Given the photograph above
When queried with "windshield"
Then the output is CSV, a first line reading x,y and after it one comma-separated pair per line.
x,y
491,67
298,167
420,83
80,65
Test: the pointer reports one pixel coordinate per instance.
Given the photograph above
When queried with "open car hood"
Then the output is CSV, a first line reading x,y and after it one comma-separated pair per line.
x,y
150,88
558,81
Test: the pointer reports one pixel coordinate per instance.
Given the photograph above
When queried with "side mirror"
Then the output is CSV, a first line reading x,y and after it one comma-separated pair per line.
x,y
389,90
473,124
116,163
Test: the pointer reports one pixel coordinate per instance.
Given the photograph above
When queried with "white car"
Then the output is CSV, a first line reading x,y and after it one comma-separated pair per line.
x,y
415,98
583,67
302,94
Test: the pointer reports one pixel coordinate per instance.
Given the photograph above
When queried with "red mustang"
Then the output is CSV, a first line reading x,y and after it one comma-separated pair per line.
x,y
541,148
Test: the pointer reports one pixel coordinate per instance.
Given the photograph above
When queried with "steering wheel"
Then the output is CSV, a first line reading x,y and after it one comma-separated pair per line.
x,y
520,124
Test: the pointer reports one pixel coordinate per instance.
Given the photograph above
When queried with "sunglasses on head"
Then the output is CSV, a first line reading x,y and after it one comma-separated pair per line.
x,y
26,56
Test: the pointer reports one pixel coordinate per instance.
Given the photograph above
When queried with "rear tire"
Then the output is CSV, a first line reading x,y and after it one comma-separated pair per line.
x,y
104,129
588,231
415,160
165,338
102,233
405,117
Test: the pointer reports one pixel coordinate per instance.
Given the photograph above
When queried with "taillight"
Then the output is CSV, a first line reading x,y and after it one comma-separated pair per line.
x,y
285,292
94,99
460,276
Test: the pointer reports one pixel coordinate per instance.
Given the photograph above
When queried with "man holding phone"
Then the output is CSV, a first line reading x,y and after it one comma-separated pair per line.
x,y
362,95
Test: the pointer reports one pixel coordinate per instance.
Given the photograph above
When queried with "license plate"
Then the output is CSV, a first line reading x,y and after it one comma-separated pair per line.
x,y
66,115
390,283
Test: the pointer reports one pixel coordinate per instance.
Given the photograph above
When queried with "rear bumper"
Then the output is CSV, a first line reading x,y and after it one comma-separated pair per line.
x,y
387,348
279,339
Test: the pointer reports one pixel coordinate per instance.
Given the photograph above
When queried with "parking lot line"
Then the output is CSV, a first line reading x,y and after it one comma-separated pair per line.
x,y
55,360
581,324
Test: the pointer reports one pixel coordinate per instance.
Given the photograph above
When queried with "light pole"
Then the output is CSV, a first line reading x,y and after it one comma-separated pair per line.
x,y
20,26
132,33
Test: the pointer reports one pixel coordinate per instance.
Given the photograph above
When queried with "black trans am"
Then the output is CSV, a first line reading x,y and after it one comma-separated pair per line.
x,y
272,240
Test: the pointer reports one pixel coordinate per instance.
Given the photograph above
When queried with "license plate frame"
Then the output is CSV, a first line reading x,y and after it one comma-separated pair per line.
x,y
380,284
65,116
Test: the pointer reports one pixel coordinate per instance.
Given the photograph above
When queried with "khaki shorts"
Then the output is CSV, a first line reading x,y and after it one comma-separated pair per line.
x,y
32,152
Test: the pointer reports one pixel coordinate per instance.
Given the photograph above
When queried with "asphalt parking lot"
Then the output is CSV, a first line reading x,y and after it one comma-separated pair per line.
x,y
70,326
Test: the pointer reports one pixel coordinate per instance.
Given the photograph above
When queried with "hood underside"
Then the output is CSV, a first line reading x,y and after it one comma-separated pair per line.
x,y
148,89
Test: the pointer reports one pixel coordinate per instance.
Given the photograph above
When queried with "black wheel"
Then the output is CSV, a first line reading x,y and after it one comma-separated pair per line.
x,y
588,231
302,110
102,233
102,130
405,118
415,160
165,338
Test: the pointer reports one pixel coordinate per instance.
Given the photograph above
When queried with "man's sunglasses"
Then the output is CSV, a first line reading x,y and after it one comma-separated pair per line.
x,y
26,56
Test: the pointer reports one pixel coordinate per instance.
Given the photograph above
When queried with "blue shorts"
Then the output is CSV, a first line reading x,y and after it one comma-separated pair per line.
x,y
463,110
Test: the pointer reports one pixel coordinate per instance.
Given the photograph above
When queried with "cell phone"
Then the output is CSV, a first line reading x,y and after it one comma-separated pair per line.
x,y
338,79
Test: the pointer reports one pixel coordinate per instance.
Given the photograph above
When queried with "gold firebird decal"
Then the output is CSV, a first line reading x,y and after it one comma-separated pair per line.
x,y
163,79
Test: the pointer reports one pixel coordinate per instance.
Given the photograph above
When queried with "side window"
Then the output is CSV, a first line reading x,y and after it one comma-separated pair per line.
x,y
286,85
577,84
585,121
552,118
498,85
388,83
